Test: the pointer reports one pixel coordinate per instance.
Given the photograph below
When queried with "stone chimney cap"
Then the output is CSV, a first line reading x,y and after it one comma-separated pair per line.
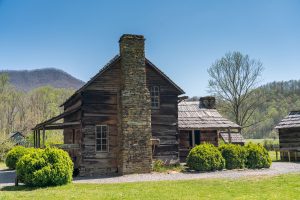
x,y
131,37
208,102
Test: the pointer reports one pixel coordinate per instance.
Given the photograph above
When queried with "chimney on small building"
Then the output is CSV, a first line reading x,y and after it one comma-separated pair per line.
x,y
135,108
208,102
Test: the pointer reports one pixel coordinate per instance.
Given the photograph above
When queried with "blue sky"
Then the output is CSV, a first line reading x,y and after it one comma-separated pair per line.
x,y
183,38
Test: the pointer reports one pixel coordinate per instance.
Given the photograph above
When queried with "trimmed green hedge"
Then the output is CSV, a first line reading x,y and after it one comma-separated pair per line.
x,y
45,167
234,155
257,156
14,155
205,157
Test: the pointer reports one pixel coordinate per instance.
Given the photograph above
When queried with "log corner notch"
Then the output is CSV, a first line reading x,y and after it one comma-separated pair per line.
x,y
51,124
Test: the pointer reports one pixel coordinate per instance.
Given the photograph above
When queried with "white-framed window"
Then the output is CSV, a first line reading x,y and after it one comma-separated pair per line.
x,y
154,93
102,138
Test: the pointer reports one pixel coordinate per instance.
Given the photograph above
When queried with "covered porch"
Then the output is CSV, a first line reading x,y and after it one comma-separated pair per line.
x,y
71,143
191,137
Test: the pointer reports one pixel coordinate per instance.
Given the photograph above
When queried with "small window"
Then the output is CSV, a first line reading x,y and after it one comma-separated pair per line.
x,y
154,93
102,138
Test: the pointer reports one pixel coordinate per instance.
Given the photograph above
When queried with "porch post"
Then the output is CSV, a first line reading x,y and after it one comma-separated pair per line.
x,y
229,135
43,136
193,137
34,140
39,138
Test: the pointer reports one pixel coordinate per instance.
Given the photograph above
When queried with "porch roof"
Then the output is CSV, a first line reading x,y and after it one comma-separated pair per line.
x,y
290,121
191,116
51,125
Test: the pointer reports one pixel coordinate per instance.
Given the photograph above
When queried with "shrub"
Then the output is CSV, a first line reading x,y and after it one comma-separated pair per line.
x,y
270,144
205,157
5,145
161,166
157,165
234,155
48,167
257,156
14,155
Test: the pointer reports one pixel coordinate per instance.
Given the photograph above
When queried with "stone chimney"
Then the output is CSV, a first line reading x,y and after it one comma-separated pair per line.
x,y
135,108
207,102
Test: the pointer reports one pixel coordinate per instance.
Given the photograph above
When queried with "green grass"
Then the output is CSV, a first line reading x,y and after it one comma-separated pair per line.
x,y
261,141
172,168
278,187
273,155
256,141
159,166
2,165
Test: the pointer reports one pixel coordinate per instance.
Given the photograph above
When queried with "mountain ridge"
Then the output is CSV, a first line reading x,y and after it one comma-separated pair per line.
x,y
27,80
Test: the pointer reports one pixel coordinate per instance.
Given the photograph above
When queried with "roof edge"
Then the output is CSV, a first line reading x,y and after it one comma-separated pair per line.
x,y
102,70
111,62
165,76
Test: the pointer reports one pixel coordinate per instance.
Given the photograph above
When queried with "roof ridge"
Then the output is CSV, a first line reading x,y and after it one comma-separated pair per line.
x,y
105,67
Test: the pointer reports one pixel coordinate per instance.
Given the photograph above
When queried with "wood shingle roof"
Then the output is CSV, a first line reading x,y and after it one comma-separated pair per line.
x,y
191,116
290,121
235,137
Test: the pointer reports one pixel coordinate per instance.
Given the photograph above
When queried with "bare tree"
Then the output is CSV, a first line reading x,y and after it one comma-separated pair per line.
x,y
233,80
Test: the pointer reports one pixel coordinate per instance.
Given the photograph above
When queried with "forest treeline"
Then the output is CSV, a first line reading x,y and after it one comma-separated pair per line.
x,y
279,98
21,111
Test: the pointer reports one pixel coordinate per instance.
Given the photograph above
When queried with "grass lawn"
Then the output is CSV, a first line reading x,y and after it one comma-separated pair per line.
x,y
2,165
261,141
273,155
278,187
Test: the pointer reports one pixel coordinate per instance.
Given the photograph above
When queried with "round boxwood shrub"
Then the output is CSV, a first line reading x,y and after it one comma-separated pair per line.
x,y
257,156
14,155
205,157
234,155
45,167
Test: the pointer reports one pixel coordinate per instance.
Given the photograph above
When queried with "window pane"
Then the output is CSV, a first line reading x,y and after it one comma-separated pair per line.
x,y
102,138
98,134
104,141
98,141
154,92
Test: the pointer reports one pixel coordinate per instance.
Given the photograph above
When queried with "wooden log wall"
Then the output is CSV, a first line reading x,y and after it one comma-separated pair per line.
x,y
165,119
99,108
290,139
206,136
209,136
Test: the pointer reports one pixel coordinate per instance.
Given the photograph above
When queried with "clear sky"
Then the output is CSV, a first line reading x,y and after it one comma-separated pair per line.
x,y
183,38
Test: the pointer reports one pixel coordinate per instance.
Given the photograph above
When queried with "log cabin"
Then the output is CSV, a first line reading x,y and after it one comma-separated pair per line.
x,y
289,137
200,122
121,119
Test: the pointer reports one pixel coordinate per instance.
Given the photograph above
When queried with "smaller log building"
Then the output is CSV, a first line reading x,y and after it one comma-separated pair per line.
x,y
289,137
200,122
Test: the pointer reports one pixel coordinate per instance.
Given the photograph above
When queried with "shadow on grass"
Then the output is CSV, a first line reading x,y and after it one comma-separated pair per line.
x,y
23,188
18,188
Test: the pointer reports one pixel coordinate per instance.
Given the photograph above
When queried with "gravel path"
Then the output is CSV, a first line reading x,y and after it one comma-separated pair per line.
x,y
276,169
7,178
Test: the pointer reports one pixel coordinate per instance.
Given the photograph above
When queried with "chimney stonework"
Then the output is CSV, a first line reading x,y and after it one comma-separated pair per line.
x,y
135,108
207,102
